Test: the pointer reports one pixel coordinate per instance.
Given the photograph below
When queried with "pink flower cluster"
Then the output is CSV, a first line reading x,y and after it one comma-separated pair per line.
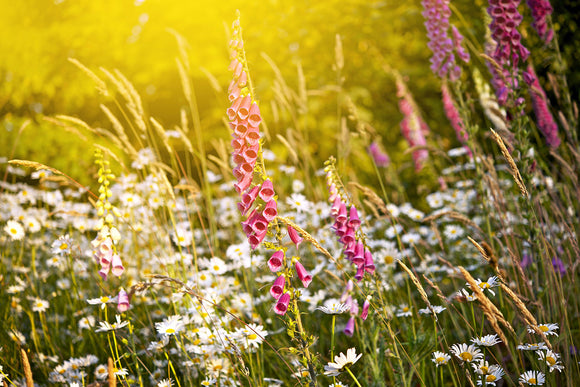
x,y
346,225
546,123
541,9
276,263
443,64
508,46
244,120
353,308
454,117
413,127
105,254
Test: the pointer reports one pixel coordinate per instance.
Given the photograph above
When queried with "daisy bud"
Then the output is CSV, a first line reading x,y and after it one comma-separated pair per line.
x,y
303,274
349,328
117,266
123,303
282,304
267,191
275,262
294,236
278,288
354,220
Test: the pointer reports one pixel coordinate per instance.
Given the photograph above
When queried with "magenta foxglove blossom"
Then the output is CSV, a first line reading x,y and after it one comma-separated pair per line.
x,y
545,120
303,274
244,119
453,116
278,287
443,63
508,48
123,301
365,310
294,236
541,10
413,127
281,306
380,158
349,328
276,261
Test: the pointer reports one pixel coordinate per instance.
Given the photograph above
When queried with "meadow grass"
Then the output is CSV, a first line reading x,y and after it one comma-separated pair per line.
x,y
190,263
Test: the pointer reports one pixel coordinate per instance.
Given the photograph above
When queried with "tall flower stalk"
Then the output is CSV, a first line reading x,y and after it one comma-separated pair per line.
x,y
443,46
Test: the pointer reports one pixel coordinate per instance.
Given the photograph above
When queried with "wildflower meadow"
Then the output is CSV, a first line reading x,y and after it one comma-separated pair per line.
x,y
390,199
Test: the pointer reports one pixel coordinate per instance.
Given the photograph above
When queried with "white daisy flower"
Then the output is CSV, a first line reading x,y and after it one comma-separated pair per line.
x,y
487,341
341,362
532,346
170,326
440,358
452,232
548,329
532,378
552,359
14,229
466,353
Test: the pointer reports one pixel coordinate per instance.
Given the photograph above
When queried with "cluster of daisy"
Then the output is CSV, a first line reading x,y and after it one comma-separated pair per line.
x,y
244,120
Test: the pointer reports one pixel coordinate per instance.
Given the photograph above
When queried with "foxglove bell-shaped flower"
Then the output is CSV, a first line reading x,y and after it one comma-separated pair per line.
x,y
276,261
281,306
303,274
117,266
277,288
350,326
294,236
365,309
123,301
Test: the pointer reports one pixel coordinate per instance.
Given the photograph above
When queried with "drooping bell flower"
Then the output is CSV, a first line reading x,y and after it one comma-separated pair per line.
x,y
123,301
541,10
303,274
369,262
294,236
365,309
281,306
380,157
353,219
266,191
117,265
544,118
276,261
350,326
277,288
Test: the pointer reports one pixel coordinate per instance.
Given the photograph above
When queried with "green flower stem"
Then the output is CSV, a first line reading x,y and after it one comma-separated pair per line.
x,y
302,333
352,376
332,344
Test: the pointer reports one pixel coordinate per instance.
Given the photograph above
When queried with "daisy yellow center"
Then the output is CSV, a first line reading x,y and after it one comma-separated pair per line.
x,y
466,356
102,370
129,200
216,267
406,309
453,231
104,299
532,381
551,361
218,367
181,239
13,230
253,336
24,193
203,277
170,330
544,328
490,378
304,374
64,246
440,359
484,370
389,259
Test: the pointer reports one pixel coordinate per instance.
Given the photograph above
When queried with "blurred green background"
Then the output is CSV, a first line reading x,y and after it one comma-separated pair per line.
x,y
137,38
